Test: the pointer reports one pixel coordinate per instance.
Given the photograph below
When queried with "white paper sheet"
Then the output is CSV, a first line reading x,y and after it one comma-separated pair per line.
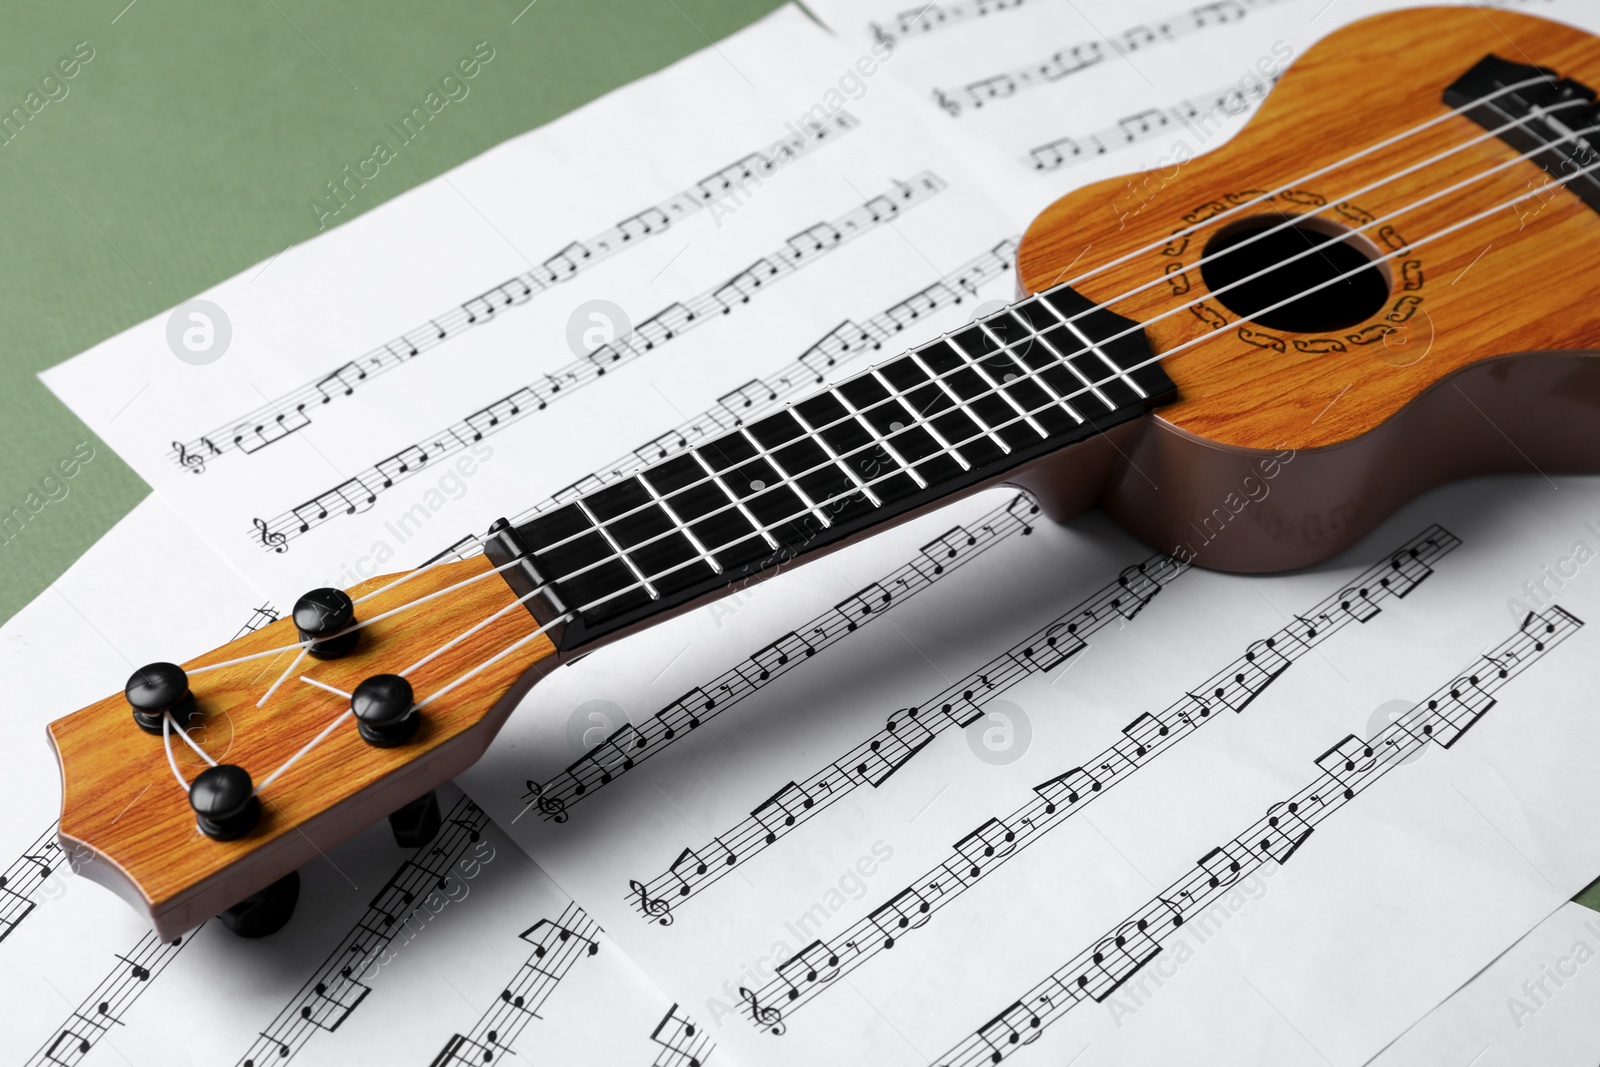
x,y
1393,902
429,983
1073,93
1535,1004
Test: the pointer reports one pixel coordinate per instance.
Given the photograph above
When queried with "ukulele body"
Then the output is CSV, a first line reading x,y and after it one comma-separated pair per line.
x,y
1287,446
1284,446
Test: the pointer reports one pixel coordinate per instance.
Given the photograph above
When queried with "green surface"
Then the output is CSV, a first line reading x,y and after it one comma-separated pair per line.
x,y
190,147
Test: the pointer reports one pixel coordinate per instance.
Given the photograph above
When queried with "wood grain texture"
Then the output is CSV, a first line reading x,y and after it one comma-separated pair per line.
x,y
121,802
1529,286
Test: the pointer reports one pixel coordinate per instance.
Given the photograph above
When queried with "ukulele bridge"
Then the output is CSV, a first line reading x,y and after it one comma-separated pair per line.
x,y
1547,118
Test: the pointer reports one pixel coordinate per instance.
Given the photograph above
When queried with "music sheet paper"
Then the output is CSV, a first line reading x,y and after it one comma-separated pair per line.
x,y
1535,1004
361,428
360,975
754,218
759,865
1074,93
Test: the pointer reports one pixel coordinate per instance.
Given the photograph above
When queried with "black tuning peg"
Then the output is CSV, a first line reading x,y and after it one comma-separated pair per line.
x,y
386,715
157,688
224,802
320,615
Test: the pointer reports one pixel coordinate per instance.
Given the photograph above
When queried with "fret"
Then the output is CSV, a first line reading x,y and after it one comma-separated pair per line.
x,y
1021,385
858,386
785,479
989,328
1071,324
733,499
838,461
612,541
926,427
927,393
980,398
973,338
662,555
942,418
682,526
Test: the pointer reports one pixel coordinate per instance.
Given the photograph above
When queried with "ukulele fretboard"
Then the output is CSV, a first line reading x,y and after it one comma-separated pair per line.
x,y
953,414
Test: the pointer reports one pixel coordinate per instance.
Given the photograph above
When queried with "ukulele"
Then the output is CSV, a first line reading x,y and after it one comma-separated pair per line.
x,y
1377,286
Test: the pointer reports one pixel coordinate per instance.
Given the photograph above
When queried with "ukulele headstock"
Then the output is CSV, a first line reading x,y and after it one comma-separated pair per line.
x,y
316,774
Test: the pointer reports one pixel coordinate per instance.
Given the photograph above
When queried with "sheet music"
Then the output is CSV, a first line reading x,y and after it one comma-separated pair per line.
x,y
396,955
1075,93
756,799
783,217
815,898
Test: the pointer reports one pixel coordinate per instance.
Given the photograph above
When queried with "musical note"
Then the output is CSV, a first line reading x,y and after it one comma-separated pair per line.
x,y
996,840
1111,960
683,1043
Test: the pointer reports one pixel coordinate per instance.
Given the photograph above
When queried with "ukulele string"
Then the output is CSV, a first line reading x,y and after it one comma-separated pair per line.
x,y
1023,416
1452,228
1190,230
311,744
1333,202
168,724
1068,320
922,422
356,626
1362,154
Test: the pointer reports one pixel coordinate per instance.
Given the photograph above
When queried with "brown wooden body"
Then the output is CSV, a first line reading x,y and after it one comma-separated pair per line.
x,y
1478,363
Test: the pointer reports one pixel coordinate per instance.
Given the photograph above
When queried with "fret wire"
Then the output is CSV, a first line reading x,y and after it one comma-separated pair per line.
x,y
977,365
627,561
783,476
918,421
1116,371
872,431
816,436
1088,386
734,500
669,570
932,430
864,487
683,527
960,404
1037,376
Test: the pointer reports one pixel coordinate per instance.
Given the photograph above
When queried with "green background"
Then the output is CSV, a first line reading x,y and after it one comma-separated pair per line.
x,y
191,145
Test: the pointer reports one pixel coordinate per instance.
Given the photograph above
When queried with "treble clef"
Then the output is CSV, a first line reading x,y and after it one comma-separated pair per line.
x,y
193,463
550,805
654,907
271,539
769,1017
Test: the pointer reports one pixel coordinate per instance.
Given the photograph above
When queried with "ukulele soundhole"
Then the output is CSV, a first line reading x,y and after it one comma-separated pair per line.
x,y
1310,280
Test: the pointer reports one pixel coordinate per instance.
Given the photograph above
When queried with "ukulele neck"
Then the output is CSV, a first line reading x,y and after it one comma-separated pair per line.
x,y
942,420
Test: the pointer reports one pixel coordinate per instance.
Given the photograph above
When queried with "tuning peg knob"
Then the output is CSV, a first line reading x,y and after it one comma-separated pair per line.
x,y
224,802
157,688
386,714
322,613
